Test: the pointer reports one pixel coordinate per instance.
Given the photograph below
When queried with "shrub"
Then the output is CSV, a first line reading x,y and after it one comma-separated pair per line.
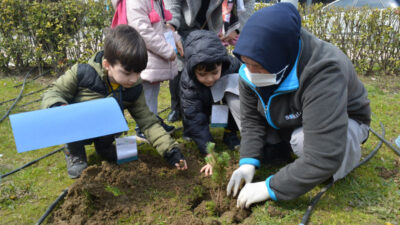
x,y
58,33
369,37
50,34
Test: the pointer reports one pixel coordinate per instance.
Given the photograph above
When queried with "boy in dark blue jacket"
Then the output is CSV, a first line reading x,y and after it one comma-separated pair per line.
x,y
206,62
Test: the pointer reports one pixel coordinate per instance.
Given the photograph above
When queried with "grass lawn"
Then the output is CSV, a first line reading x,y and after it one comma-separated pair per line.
x,y
369,195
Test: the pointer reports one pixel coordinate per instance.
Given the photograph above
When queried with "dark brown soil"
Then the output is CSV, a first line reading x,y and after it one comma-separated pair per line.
x,y
147,191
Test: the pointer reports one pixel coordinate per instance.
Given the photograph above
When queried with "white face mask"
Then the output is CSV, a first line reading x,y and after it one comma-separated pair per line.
x,y
265,79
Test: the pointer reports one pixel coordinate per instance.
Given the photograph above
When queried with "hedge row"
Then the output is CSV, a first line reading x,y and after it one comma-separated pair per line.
x,y
371,38
58,33
50,33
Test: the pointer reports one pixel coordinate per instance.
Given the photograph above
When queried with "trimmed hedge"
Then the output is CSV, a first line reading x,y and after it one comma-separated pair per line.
x,y
50,34
57,34
369,37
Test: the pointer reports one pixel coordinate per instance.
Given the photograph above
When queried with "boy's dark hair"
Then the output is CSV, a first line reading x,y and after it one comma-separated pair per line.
x,y
124,44
207,66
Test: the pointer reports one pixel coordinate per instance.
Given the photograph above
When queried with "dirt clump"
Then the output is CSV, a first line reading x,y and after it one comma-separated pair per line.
x,y
387,173
146,191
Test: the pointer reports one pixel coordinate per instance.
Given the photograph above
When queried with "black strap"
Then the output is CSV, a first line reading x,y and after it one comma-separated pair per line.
x,y
162,9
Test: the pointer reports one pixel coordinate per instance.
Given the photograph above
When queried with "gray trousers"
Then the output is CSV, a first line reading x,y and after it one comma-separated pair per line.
x,y
151,91
356,134
233,103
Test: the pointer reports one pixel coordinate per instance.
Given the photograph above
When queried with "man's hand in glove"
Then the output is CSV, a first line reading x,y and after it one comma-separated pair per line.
x,y
244,172
252,193
175,158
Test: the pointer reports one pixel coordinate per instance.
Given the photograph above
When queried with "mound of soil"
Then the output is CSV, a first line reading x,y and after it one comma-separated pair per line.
x,y
147,191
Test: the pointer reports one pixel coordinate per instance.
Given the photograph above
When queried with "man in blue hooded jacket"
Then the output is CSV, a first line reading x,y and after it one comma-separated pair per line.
x,y
297,93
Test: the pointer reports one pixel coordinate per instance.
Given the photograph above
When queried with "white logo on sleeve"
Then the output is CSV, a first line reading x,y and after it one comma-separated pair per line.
x,y
293,116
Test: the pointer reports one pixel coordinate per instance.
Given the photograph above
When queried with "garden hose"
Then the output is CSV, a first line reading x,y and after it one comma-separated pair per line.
x,y
394,148
314,201
19,96
42,74
52,206
31,102
30,163
30,93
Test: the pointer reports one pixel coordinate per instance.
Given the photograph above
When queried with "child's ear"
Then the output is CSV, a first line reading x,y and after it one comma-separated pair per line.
x,y
106,64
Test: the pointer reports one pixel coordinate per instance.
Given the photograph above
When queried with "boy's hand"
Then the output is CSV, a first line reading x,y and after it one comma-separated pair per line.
x,y
182,165
207,169
179,47
173,57
175,158
232,35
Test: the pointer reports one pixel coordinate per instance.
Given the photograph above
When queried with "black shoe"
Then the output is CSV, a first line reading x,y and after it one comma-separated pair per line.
x,y
75,163
174,116
140,135
169,129
231,140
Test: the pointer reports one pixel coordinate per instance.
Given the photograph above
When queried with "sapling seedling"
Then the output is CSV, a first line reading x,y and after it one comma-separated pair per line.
x,y
219,163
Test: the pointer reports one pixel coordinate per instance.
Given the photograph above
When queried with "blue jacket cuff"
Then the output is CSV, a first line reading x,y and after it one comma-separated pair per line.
x,y
270,191
251,161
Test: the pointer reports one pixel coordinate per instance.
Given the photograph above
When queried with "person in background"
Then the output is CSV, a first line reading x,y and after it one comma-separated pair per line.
x,y
149,18
207,62
297,94
114,72
190,15
229,33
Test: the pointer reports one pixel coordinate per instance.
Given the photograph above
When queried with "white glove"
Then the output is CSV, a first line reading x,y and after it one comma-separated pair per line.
x,y
252,193
245,172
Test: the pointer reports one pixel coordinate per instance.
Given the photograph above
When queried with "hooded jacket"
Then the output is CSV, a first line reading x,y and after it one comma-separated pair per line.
x,y
196,99
85,82
319,92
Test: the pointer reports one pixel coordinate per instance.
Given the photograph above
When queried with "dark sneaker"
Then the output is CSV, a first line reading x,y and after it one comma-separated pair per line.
x,y
140,135
231,140
174,116
169,129
75,164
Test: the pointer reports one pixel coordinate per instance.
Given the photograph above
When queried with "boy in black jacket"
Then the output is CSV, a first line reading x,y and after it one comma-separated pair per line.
x,y
207,61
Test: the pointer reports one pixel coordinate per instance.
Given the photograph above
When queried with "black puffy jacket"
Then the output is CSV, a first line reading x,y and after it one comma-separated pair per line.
x,y
196,99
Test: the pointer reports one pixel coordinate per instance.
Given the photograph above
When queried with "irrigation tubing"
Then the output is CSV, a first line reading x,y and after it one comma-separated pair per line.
x,y
395,149
18,85
52,206
31,102
19,96
30,93
32,162
164,110
316,198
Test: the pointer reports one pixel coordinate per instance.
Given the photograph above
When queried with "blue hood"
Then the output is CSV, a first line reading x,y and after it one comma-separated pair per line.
x,y
271,37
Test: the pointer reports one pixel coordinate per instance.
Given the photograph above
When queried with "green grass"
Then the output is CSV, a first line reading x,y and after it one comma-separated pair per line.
x,y
114,190
364,197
